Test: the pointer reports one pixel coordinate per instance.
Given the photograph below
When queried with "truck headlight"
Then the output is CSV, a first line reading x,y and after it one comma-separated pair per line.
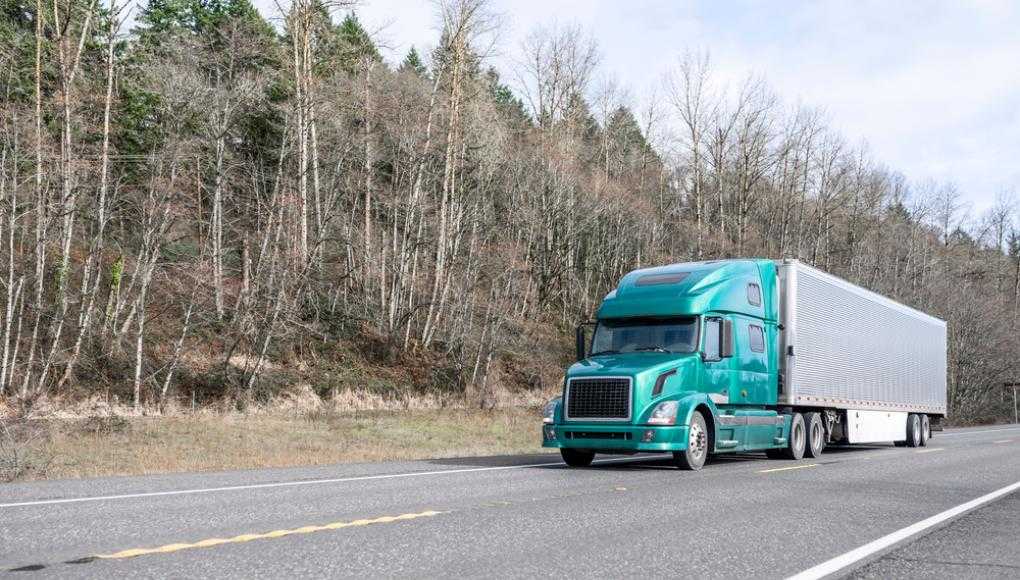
x,y
549,413
664,413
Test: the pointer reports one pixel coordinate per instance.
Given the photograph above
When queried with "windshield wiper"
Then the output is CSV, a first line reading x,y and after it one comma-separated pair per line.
x,y
651,348
601,352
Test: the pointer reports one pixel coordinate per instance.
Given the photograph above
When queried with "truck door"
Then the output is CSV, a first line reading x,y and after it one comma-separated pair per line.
x,y
754,370
755,383
718,378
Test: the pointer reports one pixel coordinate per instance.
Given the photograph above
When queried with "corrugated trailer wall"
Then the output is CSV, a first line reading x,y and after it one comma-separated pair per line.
x,y
847,347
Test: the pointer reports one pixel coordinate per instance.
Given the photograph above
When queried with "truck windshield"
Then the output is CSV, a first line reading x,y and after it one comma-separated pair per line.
x,y
644,335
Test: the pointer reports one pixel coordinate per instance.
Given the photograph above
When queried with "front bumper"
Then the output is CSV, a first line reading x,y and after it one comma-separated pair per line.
x,y
602,437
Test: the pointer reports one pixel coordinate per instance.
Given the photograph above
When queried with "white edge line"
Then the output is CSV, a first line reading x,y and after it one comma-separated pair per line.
x,y
297,483
957,434
839,562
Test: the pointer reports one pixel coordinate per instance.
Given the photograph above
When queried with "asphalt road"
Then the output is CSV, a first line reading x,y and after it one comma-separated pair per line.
x,y
742,516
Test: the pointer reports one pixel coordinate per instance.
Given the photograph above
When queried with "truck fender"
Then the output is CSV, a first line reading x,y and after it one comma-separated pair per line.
x,y
690,403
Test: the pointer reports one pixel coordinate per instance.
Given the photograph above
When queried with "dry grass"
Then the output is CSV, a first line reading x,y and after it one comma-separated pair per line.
x,y
103,446
22,454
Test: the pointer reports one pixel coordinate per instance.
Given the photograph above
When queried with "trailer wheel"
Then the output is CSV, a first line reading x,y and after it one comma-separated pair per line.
x,y
693,458
796,441
913,430
577,458
925,430
815,434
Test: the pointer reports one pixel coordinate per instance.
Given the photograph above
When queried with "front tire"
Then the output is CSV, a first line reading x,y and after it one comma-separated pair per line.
x,y
693,458
913,430
796,441
815,435
577,458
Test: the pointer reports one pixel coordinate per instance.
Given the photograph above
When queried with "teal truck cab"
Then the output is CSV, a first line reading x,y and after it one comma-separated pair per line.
x,y
691,359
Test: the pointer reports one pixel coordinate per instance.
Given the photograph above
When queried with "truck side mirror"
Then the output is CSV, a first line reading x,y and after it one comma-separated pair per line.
x,y
726,346
580,341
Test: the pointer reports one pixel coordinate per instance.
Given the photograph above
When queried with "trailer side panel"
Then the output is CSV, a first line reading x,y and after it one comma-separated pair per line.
x,y
847,347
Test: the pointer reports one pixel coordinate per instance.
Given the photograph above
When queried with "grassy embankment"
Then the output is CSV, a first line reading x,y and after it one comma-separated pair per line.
x,y
103,446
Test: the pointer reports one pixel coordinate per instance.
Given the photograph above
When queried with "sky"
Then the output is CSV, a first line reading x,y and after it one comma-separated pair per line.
x,y
929,87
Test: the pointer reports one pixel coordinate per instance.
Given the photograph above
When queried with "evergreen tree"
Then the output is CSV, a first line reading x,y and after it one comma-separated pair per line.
x,y
506,101
412,63
167,31
17,44
17,55
579,121
163,20
897,211
628,148
356,45
160,18
624,130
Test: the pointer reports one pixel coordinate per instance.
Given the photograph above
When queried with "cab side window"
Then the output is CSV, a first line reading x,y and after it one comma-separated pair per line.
x,y
713,330
756,338
754,295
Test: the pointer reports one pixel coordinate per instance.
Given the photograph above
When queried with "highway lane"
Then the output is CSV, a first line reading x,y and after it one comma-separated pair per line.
x,y
980,544
527,516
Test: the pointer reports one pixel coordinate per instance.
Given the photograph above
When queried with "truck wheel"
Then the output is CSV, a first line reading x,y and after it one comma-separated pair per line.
x,y
815,434
796,441
913,430
693,458
576,458
925,430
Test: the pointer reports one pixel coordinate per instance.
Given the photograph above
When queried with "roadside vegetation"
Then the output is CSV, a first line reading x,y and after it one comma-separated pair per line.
x,y
126,445
219,212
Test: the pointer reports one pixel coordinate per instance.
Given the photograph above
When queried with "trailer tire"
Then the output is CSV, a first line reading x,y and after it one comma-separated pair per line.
x,y
815,429
795,442
913,430
925,430
693,458
577,458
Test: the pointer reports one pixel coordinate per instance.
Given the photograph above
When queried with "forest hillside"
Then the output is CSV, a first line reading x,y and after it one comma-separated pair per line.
x,y
208,208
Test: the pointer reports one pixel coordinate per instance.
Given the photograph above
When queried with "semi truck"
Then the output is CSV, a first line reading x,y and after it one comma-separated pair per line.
x,y
747,355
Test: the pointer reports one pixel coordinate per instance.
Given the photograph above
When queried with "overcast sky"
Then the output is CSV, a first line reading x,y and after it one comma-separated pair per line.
x,y
931,87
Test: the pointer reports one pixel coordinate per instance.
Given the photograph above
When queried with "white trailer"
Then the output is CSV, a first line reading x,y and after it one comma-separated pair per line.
x,y
849,349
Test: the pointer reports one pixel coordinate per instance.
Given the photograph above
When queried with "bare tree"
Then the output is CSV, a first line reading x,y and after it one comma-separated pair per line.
x,y
688,92
557,63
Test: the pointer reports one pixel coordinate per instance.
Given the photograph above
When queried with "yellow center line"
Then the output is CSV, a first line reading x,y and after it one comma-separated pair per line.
x,y
789,468
932,450
261,536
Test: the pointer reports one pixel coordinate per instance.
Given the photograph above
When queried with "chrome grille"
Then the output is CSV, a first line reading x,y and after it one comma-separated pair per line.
x,y
599,399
